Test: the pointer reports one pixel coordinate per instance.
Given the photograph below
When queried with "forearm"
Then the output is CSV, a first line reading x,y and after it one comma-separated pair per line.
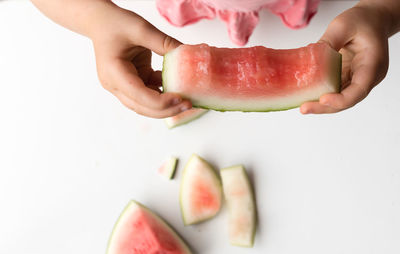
x,y
92,18
390,9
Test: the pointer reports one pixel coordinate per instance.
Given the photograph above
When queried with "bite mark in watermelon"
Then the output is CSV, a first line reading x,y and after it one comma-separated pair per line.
x,y
200,191
251,79
168,168
139,230
184,117
241,205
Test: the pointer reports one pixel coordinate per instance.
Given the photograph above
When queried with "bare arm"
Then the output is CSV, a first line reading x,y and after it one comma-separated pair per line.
x,y
76,15
123,42
389,7
361,35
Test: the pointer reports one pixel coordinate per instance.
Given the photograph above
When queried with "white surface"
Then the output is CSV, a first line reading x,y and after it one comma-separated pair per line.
x,y
71,156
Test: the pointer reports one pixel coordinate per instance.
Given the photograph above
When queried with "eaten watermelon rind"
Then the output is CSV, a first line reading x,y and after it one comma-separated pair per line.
x,y
252,206
197,113
168,168
135,205
332,85
246,111
216,184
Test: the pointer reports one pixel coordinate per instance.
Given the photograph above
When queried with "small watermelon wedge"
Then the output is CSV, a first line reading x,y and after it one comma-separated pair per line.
x,y
240,200
139,230
200,191
251,79
184,117
168,168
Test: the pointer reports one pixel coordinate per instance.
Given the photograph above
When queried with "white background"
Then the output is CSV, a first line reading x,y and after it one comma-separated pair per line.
x,y
71,156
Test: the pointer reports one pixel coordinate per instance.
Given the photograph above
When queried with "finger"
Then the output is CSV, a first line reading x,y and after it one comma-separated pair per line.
x,y
337,34
124,76
142,110
156,78
156,88
363,80
314,107
347,58
142,64
155,40
155,81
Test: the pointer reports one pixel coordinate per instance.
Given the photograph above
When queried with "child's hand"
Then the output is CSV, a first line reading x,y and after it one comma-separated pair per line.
x,y
123,42
123,57
361,34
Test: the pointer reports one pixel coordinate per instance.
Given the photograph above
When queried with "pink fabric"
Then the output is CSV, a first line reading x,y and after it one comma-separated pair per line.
x,y
240,16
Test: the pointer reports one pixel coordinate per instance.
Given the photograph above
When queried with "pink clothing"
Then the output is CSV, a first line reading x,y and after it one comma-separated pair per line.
x,y
240,16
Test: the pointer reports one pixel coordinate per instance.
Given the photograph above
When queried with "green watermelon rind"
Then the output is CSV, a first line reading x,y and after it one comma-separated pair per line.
x,y
173,232
246,111
174,166
164,71
188,120
217,180
172,163
336,68
252,197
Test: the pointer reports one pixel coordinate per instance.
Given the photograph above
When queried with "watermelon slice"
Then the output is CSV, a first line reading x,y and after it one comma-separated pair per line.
x,y
168,168
139,230
184,117
200,192
251,79
241,206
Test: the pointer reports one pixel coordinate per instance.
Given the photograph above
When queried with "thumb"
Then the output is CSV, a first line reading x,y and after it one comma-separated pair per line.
x,y
338,34
157,41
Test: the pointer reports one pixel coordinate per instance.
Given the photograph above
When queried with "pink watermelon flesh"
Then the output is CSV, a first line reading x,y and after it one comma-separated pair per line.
x,y
139,231
200,192
203,199
251,79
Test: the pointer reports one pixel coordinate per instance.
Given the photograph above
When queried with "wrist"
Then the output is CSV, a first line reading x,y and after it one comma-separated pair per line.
x,y
388,11
113,23
77,15
100,20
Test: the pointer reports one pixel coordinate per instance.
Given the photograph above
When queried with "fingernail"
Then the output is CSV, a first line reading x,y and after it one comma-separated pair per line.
x,y
176,101
184,107
325,102
303,111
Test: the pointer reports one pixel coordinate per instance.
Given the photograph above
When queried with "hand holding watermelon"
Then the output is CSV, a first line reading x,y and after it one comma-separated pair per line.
x,y
125,70
361,36
123,59
123,42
